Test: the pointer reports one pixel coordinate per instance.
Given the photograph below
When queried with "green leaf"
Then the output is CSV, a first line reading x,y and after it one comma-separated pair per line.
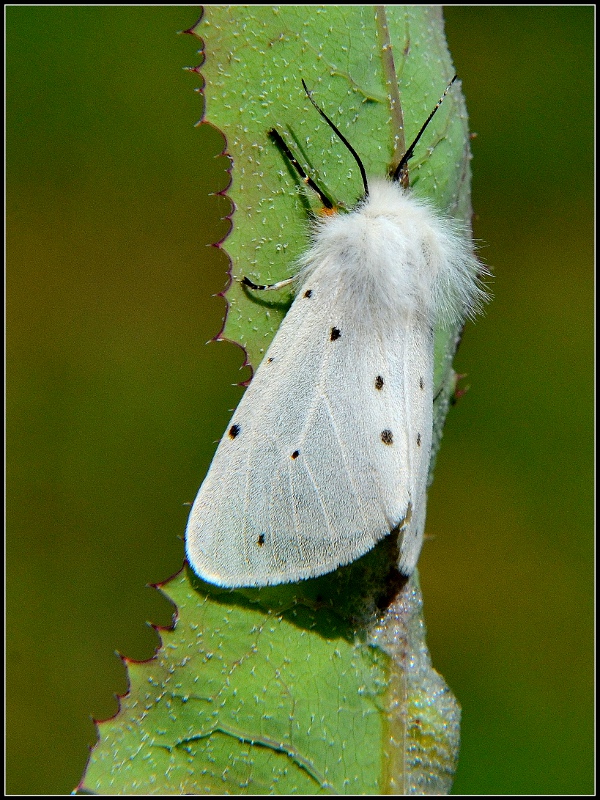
x,y
262,692
325,686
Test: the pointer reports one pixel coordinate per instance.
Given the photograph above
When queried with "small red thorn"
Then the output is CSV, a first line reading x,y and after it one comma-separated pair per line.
x,y
458,393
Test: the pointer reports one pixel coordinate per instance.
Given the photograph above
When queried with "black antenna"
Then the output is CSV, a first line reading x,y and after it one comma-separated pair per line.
x,y
279,141
343,138
409,152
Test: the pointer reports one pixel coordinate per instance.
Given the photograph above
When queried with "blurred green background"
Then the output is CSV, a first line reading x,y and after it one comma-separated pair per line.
x,y
115,403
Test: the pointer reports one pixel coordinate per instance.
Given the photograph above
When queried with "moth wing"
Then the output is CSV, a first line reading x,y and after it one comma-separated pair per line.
x,y
244,526
418,422
368,446
320,461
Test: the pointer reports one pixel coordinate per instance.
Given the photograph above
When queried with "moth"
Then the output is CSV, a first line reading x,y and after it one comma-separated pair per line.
x,y
328,451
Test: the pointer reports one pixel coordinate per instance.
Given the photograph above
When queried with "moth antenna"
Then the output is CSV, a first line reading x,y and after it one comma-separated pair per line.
x,y
409,152
345,141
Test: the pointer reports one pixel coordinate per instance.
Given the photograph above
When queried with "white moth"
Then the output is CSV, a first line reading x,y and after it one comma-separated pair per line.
x,y
328,451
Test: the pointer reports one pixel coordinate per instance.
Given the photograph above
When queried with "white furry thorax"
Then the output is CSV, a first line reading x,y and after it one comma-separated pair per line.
x,y
394,255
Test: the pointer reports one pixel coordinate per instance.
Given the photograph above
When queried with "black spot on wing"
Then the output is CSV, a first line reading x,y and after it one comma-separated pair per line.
x,y
261,540
379,382
387,437
233,431
295,454
418,440
308,293
335,334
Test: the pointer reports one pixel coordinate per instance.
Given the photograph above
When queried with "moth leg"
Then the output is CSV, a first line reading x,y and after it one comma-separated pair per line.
x,y
279,142
269,286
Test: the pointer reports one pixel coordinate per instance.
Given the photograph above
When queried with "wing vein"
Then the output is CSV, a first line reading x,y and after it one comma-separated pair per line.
x,y
409,453
245,535
325,514
344,460
295,510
